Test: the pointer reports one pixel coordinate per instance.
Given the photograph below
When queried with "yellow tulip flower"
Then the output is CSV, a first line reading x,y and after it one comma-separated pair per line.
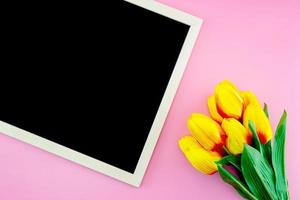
x,y
229,101
200,158
237,135
212,107
207,132
249,98
260,120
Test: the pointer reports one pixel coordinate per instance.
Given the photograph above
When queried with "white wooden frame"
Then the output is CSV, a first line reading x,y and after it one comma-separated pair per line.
x,y
135,178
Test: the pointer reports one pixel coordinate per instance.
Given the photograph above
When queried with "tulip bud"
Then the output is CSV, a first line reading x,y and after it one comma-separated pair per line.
x,y
229,101
212,107
207,132
260,120
200,159
237,135
249,98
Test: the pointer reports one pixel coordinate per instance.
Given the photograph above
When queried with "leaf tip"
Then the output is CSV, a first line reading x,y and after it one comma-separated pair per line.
x,y
283,117
285,113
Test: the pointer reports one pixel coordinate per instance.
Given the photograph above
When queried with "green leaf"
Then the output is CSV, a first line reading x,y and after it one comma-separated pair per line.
x,y
236,183
256,141
231,159
278,159
258,174
267,148
266,110
267,151
264,149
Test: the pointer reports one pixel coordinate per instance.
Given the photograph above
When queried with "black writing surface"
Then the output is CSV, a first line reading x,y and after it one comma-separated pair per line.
x,y
88,80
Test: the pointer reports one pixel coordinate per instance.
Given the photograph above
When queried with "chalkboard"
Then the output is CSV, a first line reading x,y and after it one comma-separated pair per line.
x,y
90,84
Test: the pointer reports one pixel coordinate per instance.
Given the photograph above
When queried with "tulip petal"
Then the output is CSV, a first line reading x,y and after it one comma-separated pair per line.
x,y
237,135
228,99
260,120
200,159
212,107
230,84
249,98
207,132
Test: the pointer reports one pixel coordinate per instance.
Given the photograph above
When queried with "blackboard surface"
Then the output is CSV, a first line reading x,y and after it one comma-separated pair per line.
x,y
89,80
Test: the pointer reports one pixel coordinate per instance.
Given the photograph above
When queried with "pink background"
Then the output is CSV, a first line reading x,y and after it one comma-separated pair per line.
x,y
254,43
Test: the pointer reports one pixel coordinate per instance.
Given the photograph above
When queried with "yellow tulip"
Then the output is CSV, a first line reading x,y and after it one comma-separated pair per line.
x,y
249,98
200,158
207,132
237,135
229,101
260,120
212,107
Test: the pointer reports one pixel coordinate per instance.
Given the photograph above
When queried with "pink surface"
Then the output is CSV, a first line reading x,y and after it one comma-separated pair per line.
x,y
255,44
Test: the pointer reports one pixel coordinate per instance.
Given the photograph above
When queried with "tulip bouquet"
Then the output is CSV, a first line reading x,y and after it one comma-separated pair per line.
x,y
236,141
